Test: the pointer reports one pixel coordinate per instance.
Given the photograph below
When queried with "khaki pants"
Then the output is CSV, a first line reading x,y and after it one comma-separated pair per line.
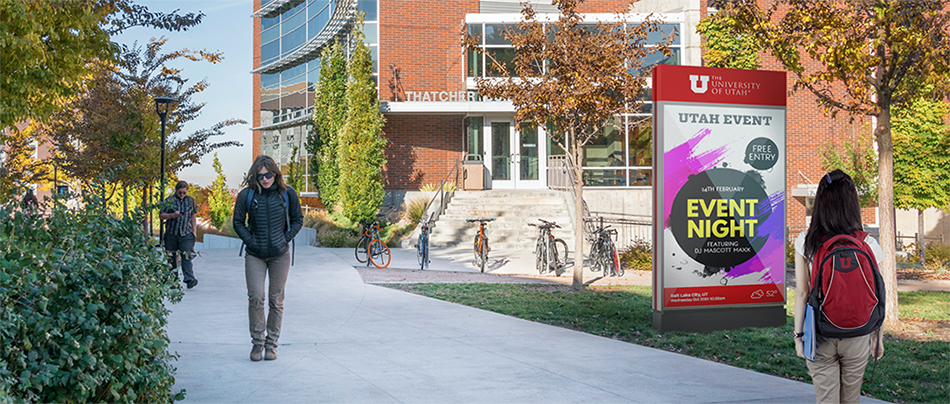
x,y
255,271
838,369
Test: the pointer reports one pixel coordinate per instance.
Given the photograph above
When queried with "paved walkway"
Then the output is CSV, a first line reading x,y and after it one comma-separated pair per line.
x,y
345,341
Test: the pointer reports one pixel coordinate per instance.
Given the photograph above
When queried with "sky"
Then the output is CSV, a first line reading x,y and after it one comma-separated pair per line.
x,y
227,28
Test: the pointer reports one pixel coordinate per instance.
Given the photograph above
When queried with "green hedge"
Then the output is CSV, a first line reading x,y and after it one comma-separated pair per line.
x,y
82,310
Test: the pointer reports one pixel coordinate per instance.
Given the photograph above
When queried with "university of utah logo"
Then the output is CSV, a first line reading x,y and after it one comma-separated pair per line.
x,y
698,84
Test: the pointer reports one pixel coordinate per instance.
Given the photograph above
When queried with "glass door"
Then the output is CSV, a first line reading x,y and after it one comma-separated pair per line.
x,y
501,155
517,157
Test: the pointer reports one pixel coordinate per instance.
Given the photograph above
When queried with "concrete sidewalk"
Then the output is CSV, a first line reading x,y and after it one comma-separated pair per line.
x,y
345,341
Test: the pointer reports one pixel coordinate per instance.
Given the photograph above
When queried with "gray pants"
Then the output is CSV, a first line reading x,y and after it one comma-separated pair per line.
x,y
183,247
255,271
838,370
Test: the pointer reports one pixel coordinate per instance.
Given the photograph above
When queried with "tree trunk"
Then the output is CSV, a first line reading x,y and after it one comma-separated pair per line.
x,y
921,239
888,235
578,283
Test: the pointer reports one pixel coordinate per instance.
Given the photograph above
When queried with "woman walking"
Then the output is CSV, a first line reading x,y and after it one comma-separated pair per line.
x,y
838,369
267,216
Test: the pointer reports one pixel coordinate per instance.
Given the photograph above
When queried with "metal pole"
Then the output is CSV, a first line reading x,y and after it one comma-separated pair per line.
x,y
161,223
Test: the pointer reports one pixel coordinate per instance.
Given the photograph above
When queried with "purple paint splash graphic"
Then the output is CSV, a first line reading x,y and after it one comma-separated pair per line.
x,y
771,256
680,163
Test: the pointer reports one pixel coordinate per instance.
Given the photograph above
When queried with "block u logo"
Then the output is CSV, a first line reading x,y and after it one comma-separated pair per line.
x,y
698,83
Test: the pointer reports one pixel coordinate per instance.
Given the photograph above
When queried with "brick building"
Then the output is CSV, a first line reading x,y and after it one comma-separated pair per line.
x,y
426,85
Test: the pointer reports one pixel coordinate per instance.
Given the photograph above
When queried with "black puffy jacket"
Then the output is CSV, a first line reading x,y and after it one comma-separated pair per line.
x,y
263,225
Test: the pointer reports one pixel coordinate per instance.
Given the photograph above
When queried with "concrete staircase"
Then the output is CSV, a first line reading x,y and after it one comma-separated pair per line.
x,y
513,210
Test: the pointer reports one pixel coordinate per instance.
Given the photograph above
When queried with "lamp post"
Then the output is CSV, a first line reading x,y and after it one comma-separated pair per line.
x,y
161,107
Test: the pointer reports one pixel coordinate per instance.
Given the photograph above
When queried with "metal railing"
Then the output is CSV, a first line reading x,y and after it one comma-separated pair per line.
x,y
630,227
441,192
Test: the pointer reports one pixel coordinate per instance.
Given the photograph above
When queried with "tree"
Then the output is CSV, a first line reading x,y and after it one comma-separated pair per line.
x,y
575,79
862,57
922,160
361,148
329,116
113,124
47,44
723,47
18,167
855,157
219,199
294,174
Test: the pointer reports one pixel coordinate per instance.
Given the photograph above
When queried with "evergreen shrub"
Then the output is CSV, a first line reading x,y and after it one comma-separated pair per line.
x,y
82,316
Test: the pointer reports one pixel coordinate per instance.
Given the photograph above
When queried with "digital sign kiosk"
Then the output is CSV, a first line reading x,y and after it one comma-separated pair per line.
x,y
719,198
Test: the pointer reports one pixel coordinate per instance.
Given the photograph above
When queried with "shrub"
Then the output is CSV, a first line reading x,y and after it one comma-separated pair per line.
x,y
82,317
449,186
337,238
638,255
227,228
414,210
393,233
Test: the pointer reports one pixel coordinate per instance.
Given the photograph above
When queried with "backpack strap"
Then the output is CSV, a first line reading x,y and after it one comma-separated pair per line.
x,y
293,241
247,208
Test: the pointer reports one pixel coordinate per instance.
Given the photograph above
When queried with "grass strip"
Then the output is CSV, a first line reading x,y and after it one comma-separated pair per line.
x,y
910,372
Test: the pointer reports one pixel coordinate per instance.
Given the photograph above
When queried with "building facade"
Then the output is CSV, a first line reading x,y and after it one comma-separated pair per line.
x,y
426,83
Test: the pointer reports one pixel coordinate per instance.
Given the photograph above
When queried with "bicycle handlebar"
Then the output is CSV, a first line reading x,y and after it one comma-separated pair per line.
x,y
480,220
546,224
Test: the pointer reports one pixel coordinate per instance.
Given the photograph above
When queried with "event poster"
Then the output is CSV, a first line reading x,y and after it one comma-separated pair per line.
x,y
720,197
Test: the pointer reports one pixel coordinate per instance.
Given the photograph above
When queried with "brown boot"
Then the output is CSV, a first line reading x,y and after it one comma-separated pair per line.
x,y
256,352
270,353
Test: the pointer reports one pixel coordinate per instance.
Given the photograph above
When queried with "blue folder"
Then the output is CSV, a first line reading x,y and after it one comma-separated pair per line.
x,y
808,328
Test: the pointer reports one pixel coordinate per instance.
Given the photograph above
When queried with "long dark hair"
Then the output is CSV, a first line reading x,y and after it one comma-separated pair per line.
x,y
837,211
268,163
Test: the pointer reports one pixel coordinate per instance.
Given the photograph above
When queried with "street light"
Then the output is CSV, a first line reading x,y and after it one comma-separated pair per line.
x,y
161,108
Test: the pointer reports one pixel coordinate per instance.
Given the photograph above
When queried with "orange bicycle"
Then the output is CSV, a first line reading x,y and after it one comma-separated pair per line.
x,y
371,249
481,243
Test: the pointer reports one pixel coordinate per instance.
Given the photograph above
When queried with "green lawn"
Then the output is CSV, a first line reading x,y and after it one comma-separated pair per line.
x,y
910,371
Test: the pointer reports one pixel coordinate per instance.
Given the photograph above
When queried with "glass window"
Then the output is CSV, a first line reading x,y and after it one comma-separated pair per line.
x,y
474,128
269,22
665,30
371,30
495,34
270,52
641,177
270,35
606,148
374,53
554,148
293,40
298,8
313,76
318,6
269,80
640,142
605,178
658,58
292,23
475,31
369,7
317,24
474,64
290,81
293,72
504,56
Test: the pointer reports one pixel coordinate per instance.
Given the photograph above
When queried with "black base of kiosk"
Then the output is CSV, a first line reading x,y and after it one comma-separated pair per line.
x,y
714,319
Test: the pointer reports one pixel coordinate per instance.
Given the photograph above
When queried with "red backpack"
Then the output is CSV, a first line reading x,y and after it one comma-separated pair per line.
x,y
847,290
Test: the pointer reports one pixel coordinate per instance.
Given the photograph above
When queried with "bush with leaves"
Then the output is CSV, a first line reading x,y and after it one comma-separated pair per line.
x,y
82,317
638,255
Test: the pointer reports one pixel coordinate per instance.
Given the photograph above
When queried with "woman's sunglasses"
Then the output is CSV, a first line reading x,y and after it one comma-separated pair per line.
x,y
265,175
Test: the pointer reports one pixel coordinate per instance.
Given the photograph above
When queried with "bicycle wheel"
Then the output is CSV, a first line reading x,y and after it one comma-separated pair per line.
x,y
560,254
425,253
421,251
477,249
594,257
538,257
606,258
379,253
483,247
617,267
361,255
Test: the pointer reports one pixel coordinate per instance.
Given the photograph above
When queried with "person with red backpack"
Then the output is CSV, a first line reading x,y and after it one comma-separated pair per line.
x,y
839,284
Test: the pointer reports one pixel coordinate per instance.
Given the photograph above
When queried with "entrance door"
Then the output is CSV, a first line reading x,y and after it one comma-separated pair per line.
x,y
516,156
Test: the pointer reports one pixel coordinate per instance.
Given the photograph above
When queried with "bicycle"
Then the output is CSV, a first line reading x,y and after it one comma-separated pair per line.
x,y
481,243
370,248
422,247
603,252
550,252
